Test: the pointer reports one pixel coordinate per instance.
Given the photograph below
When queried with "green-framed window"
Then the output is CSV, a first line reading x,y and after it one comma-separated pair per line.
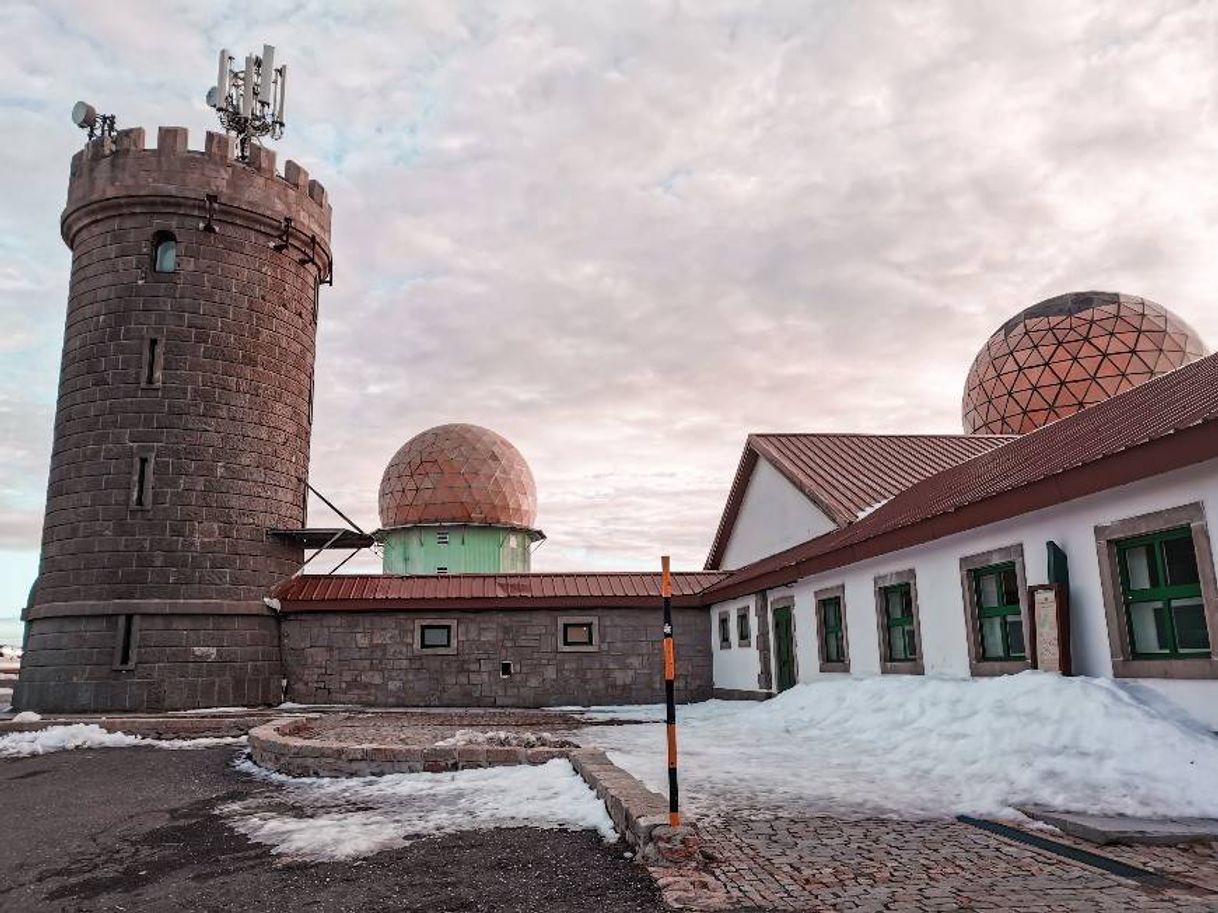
x,y
1161,593
999,614
899,622
744,632
830,612
725,631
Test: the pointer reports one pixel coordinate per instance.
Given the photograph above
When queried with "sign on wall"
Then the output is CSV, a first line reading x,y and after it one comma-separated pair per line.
x,y
1051,627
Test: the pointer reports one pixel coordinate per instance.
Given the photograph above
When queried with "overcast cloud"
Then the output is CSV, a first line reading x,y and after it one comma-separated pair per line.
x,y
626,234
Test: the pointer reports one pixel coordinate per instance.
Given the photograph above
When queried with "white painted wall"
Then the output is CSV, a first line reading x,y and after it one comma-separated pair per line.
x,y
941,603
736,663
774,515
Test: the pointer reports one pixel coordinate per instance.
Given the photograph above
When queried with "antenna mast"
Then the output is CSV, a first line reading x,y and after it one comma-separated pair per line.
x,y
250,101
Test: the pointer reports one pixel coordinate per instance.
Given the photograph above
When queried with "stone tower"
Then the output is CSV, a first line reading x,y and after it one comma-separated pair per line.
x,y
182,426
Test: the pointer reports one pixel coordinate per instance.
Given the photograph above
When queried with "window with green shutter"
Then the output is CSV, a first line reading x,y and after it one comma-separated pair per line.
x,y
830,610
1161,593
999,614
902,635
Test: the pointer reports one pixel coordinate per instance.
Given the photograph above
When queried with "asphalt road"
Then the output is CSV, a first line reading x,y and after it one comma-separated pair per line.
x,y
136,829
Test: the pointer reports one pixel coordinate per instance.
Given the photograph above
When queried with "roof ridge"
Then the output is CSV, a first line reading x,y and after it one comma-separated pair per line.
x,y
879,434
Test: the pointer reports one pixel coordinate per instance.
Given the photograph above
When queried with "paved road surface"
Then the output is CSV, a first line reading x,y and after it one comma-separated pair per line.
x,y
135,830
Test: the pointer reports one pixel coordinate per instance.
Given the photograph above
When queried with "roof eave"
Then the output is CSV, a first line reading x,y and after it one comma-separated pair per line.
x,y
1176,450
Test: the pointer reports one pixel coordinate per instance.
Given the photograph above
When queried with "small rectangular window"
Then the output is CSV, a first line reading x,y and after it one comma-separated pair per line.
x,y
725,631
505,669
441,538
999,614
577,634
902,641
744,633
830,610
435,637
1161,591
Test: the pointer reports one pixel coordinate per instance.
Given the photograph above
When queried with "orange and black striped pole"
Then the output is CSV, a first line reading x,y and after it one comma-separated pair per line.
x,y
670,698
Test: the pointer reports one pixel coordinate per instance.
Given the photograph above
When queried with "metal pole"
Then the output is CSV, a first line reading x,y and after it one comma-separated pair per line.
x,y
330,505
670,674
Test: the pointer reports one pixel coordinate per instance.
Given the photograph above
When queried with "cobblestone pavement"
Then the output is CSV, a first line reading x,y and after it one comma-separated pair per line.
x,y
873,865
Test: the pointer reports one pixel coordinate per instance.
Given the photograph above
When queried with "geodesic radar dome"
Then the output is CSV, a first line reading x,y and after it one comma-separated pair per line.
x,y
458,474
1070,352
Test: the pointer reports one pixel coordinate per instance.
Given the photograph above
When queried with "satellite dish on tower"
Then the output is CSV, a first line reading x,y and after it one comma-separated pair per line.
x,y
85,116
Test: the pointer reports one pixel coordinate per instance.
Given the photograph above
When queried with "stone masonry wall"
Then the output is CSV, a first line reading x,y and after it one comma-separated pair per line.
x,y
373,658
220,407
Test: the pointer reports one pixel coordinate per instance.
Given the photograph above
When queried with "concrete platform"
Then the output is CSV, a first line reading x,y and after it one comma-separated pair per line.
x,y
1102,829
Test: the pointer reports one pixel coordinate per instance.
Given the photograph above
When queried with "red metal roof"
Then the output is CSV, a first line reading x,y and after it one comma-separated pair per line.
x,y
1102,446
847,474
489,591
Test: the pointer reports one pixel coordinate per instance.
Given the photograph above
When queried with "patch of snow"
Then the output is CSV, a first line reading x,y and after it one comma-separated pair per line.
x,y
9,652
90,735
867,511
917,746
503,737
27,716
322,819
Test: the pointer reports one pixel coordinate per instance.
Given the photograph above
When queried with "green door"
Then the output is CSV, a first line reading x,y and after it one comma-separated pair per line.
x,y
784,647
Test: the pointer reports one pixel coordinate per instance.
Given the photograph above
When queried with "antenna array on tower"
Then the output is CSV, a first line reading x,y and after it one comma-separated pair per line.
x,y
250,101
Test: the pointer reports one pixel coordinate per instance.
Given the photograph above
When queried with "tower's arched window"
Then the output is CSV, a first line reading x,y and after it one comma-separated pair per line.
x,y
164,252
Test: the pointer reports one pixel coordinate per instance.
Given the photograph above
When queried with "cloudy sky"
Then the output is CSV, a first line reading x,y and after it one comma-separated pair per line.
x,y
625,234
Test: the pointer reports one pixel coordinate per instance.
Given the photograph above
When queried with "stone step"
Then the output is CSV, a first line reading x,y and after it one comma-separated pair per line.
x,y
1102,829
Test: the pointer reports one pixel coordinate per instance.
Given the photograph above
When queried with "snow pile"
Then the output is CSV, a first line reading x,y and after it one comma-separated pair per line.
x,y
27,716
323,819
504,738
9,652
82,735
930,747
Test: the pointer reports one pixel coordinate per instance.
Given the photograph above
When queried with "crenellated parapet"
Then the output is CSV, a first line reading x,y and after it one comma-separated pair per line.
x,y
121,174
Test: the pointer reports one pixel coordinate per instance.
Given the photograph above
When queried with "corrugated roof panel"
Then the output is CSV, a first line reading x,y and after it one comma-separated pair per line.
x,y
1155,409
390,587
846,474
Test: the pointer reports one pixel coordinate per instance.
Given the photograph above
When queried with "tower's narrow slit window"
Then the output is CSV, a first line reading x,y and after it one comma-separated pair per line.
x,y
164,252
151,371
124,648
141,490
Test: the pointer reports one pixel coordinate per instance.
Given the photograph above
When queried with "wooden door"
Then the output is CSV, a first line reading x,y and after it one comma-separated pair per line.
x,y
784,647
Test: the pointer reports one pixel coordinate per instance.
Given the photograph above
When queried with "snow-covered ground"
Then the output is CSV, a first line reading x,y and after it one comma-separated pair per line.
x,y
324,819
931,747
82,735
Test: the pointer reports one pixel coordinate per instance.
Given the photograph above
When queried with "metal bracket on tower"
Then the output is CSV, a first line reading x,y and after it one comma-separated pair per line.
x,y
311,256
281,243
208,224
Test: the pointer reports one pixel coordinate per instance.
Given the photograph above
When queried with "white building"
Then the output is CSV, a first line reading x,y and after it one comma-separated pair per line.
x,y
912,555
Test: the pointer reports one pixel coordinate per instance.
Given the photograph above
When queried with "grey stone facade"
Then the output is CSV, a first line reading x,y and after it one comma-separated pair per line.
x,y
374,658
182,426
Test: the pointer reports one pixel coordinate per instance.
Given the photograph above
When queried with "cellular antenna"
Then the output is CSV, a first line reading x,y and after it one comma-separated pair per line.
x,y
250,101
